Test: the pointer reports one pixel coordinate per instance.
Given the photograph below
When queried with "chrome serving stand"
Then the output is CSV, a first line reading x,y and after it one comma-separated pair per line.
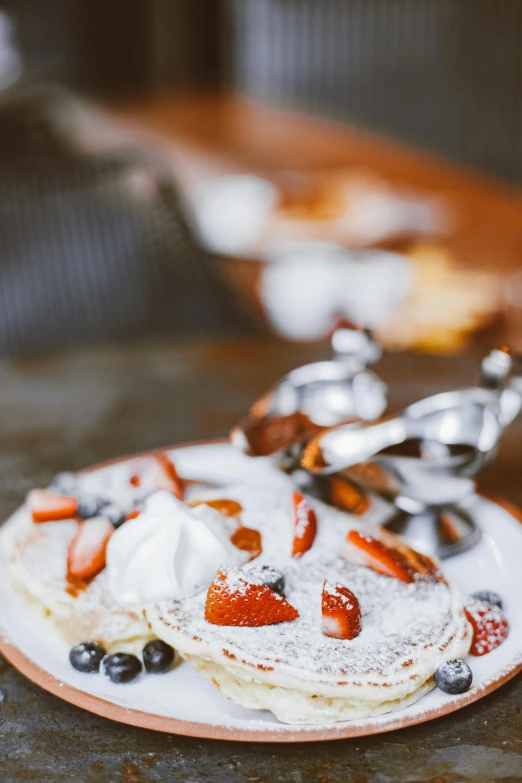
x,y
326,418
314,397
425,458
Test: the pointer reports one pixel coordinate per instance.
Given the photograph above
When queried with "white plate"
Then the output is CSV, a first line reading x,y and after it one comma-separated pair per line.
x,y
186,703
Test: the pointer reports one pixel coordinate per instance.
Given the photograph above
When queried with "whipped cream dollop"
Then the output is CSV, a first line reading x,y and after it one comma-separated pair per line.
x,y
169,551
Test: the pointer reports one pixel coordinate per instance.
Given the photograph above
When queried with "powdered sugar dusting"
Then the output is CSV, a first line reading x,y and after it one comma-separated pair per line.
x,y
400,622
301,522
237,580
332,588
395,618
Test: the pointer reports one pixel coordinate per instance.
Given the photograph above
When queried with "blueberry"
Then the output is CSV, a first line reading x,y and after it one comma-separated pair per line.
x,y
453,677
86,657
113,513
121,667
271,577
90,505
489,596
158,656
66,483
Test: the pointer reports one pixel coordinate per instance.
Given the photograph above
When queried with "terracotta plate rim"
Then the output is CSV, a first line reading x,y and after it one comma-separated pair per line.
x,y
161,723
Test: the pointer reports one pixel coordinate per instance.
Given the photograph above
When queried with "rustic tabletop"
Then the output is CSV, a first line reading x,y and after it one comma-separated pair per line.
x,y
68,412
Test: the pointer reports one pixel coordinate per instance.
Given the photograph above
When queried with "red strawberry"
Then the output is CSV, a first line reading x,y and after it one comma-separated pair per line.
x,y
305,525
49,507
341,612
260,436
157,471
229,508
235,598
86,555
369,551
490,627
345,495
248,540
390,556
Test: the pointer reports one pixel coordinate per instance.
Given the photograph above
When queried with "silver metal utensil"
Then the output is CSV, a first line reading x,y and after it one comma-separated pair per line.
x,y
315,396
426,457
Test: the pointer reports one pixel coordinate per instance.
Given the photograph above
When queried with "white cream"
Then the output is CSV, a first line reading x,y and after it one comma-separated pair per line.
x,y
169,551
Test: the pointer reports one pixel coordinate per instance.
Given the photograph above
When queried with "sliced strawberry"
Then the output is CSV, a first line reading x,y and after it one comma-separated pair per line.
x,y
229,508
343,494
341,612
363,549
490,627
248,540
390,556
47,506
157,471
86,555
170,475
305,525
260,433
235,598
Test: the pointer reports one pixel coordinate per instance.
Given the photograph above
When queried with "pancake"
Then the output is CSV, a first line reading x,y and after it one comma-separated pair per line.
x,y
292,668
36,557
36,561
37,567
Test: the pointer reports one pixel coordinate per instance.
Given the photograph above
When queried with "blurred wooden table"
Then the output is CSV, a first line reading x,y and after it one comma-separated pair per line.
x,y
201,136
67,412
226,132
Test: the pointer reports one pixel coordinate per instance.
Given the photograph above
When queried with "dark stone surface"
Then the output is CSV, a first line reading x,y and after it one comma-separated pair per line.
x,y
68,412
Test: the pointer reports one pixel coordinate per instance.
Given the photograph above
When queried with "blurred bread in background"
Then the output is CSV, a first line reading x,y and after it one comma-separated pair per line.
x,y
447,304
